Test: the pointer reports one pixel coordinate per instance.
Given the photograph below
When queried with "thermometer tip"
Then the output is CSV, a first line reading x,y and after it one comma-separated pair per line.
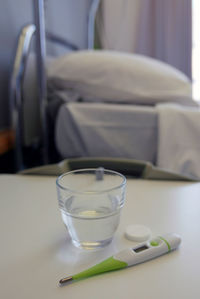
x,y
66,279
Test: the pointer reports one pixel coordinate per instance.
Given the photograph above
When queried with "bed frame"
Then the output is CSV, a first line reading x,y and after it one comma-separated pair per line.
x,y
17,77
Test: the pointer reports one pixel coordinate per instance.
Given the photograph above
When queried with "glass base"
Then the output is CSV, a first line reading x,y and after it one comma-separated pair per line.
x,y
92,245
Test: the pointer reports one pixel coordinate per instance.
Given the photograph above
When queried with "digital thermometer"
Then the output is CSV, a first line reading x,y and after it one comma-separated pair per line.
x,y
131,256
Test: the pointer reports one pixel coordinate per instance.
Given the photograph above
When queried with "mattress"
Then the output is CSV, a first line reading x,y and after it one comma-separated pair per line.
x,y
106,130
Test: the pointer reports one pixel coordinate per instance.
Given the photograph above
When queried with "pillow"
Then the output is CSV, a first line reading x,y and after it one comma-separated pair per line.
x,y
111,76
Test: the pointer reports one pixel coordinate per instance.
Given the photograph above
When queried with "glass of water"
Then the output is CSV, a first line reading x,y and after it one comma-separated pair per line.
x,y
90,201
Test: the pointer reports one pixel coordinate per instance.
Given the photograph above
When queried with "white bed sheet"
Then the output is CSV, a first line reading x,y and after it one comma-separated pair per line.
x,y
107,130
178,139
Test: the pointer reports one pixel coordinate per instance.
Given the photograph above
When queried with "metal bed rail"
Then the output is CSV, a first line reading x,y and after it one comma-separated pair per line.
x,y
16,96
39,15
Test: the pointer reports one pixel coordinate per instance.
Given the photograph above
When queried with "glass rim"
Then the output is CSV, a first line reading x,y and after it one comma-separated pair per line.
x,y
90,192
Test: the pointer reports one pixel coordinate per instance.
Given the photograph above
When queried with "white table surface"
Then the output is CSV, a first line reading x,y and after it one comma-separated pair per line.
x,y
36,251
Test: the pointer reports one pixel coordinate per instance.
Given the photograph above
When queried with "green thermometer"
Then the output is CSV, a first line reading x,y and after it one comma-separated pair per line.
x,y
131,256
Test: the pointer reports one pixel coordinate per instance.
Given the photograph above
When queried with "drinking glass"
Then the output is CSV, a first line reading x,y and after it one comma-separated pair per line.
x,y
90,201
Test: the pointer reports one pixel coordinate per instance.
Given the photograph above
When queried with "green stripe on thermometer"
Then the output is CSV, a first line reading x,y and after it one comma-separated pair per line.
x,y
130,257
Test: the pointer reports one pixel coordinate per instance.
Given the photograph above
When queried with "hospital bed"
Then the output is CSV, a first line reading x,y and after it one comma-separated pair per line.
x,y
86,120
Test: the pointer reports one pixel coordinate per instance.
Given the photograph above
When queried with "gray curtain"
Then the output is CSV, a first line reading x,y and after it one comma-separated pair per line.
x,y
156,28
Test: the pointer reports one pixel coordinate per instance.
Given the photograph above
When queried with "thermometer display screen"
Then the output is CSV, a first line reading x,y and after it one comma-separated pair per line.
x,y
139,249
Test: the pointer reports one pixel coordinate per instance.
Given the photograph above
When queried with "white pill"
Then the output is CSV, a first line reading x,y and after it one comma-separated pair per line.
x,y
137,233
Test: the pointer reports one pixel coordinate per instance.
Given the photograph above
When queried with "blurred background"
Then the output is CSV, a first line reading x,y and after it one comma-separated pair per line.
x,y
167,30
